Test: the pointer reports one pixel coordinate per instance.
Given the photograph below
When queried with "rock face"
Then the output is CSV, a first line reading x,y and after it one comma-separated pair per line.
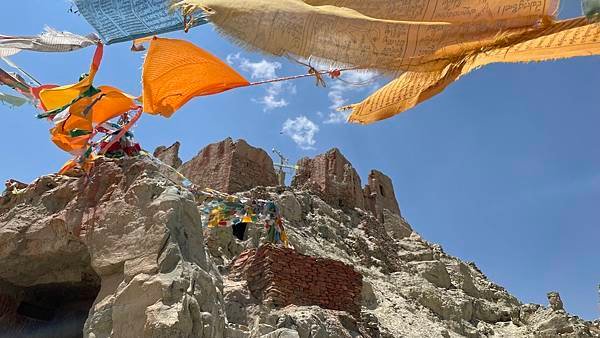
x,y
127,236
169,155
122,253
332,177
230,167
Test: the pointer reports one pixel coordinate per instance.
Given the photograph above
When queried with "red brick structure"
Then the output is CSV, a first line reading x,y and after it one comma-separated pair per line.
x,y
284,277
332,177
379,194
230,166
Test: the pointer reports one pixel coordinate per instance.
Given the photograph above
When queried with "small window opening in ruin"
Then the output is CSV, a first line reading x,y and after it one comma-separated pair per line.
x,y
381,190
239,231
340,203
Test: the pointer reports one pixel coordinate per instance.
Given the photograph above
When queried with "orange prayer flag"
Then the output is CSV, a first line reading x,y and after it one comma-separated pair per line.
x,y
73,133
114,103
53,98
175,71
107,104
75,145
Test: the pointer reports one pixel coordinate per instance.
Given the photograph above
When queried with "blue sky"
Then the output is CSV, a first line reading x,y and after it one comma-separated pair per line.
x,y
502,168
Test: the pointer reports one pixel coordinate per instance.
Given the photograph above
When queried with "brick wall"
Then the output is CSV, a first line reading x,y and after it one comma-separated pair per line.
x,y
283,277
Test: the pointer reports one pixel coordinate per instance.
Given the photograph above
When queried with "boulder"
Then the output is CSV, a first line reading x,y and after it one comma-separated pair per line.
x,y
555,302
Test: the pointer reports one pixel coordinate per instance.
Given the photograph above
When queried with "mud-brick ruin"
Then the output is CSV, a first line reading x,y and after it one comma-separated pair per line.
x,y
283,277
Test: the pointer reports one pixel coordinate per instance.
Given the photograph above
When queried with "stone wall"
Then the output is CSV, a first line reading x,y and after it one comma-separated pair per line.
x,y
230,166
282,277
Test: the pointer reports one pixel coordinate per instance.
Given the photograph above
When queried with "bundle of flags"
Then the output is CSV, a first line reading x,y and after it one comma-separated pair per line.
x,y
81,111
426,45
222,210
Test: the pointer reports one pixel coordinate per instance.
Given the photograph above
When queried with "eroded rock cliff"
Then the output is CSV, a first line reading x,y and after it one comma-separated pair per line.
x,y
122,253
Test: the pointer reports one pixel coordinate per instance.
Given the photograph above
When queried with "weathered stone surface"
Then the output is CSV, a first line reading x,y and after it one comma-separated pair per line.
x,y
331,177
395,225
133,229
433,271
379,195
169,155
555,302
230,166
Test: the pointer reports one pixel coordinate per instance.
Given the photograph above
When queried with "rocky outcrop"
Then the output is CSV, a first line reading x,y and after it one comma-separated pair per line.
x,y
230,166
555,302
128,236
169,155
331,177
121,253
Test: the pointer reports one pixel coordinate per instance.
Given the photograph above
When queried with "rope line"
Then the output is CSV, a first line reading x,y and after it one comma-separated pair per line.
x,y
333,73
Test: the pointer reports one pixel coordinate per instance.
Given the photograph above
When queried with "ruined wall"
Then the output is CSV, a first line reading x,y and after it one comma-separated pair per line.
x,y
379,195
332,177
283,277
230,166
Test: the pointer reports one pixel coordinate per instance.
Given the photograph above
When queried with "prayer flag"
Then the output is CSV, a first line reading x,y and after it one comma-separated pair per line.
x,y
63,96
126,20
564,39
175,71
49,41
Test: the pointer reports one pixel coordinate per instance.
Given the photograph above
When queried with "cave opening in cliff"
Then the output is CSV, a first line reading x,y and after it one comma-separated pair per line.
x,y
57,310
239,230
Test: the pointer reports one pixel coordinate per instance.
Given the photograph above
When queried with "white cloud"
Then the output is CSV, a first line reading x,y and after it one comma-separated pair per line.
x,y
302,131
264,70
352,82
260,70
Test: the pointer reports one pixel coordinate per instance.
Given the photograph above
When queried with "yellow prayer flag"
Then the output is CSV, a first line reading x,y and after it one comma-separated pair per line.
x,y
564,39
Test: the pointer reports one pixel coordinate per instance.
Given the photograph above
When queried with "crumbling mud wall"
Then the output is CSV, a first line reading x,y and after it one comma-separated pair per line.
x,y
281,277
230,166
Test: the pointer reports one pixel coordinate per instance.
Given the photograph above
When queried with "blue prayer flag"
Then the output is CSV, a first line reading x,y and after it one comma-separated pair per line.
x,y
126,20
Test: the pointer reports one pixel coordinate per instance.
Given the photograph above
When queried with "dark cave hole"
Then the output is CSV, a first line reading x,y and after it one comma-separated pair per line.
x,y
239,230
50,310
